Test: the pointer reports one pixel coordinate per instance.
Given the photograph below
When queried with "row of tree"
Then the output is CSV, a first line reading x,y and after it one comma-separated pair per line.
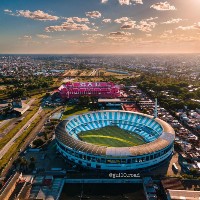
x,y
177,88
21,87
23,164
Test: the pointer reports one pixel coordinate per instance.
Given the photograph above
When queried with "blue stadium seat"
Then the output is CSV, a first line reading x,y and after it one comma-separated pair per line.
x,y
144,126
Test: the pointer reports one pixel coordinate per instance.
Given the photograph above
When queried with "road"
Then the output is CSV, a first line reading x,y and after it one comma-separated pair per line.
x,y
12,141
4,122
12,122
31,101
30,137
93,73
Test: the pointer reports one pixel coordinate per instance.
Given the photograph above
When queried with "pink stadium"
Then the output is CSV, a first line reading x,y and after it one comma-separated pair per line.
x,y
95,89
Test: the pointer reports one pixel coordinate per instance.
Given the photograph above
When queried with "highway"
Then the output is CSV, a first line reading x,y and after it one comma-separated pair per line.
x,y
4,150
12,122
30,137
31,101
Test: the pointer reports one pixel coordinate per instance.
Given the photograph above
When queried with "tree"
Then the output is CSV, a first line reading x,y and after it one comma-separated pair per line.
x,y
38,142
194,171
32,166
15,163
19,160
84,100
32,159
32,163
23,163
19,92
45,136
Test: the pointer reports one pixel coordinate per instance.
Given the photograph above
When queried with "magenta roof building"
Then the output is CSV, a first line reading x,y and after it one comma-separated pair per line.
x,y
95,89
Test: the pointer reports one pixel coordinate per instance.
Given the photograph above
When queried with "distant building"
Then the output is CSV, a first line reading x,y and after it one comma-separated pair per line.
x,y
117,71
56,116
174,189
183,194
13,107
17,103
94,89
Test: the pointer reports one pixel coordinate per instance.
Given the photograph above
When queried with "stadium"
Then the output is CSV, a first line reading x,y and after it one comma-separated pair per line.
x,y
115,140
94,89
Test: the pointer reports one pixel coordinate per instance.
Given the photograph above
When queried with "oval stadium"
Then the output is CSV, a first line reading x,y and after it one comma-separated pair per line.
x,y
115,140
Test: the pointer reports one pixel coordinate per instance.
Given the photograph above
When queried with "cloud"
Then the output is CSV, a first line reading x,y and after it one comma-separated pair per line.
x,y
128,25
129,2
148,35
146,26
147,42
68,26
120,36
79,42
36,15
166,34
150,19
124,2
107,20
122,19
169,31
162,6
43,36
77,19
186,28
26,37
104,1
93,14
120,33
172,21
7,11
195,26
97,35
121,39
138,1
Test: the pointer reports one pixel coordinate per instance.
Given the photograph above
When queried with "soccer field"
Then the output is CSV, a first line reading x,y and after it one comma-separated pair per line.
x,y
111,136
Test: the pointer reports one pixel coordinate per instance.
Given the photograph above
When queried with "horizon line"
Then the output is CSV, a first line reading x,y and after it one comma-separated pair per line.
x,y
98,53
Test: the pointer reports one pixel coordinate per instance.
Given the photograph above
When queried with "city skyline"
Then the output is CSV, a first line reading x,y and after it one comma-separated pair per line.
x,y
100,26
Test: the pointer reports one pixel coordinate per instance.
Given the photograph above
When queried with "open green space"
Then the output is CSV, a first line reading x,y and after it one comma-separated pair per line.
x,y
74,110
6,125
111,136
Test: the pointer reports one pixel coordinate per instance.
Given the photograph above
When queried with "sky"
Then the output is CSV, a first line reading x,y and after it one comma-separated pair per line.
x,y
99,26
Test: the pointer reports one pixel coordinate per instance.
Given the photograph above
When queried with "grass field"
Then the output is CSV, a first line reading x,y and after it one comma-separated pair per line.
x,y
74,110
111,136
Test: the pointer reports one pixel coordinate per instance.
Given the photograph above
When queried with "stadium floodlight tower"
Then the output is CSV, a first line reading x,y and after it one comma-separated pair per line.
x,y
156,108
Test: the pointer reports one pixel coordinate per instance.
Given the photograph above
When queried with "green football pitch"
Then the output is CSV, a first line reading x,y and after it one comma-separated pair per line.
x,y
111,136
